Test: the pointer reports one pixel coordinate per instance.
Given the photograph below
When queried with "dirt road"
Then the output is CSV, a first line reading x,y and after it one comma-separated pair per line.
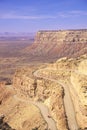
x,y
44,111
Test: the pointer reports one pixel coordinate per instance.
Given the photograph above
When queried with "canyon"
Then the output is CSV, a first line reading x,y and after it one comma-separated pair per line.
x,y
45,47
48,88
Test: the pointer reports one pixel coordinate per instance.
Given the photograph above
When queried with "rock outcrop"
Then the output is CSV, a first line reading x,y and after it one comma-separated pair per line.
x,y
19,114
4,125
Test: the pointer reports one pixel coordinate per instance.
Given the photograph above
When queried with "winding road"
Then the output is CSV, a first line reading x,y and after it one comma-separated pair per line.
x,y
69,108
44,111
68,104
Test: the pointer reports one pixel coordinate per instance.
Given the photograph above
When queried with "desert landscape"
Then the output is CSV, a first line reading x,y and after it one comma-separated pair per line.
x,y
43,81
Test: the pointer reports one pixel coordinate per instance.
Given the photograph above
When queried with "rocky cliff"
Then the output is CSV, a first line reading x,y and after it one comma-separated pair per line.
x,y
56,44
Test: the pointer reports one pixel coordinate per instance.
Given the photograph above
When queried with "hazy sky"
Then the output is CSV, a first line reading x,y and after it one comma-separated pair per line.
x,y
34,15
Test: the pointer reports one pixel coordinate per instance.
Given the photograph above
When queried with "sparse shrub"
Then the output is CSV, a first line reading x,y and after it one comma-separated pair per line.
x,y
35,128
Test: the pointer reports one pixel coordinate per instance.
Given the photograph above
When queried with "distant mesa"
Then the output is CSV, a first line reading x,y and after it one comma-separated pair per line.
x,y
58,43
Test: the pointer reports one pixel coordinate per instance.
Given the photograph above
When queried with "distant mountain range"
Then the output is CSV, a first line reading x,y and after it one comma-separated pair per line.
x,y
16,36
9,34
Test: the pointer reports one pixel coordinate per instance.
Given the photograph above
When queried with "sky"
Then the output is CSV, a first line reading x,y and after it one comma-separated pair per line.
x,y
34,15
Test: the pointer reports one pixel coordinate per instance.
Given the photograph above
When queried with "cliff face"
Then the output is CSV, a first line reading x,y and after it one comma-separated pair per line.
x,y
79,90
56,44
